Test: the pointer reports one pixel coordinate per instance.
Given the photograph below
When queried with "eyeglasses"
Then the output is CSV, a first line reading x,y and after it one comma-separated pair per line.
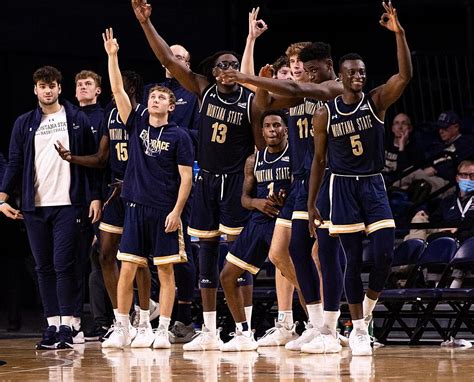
x,y
465,175
224,65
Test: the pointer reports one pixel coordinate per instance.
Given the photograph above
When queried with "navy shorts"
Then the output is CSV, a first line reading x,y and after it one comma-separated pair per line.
x,y
284,217
250,249
144,236
217,207
359,203
113,215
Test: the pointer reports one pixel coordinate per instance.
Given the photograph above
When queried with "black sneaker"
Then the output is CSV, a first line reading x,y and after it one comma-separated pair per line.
x,y
49,340
65,340
96,333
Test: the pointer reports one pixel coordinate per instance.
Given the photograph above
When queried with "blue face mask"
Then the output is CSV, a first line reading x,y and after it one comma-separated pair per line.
x,y
466,185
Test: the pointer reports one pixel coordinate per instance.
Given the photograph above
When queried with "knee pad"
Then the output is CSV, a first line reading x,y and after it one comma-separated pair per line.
x,y
208,264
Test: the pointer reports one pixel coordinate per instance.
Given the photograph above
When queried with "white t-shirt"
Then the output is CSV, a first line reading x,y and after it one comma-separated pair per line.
x,y
53,174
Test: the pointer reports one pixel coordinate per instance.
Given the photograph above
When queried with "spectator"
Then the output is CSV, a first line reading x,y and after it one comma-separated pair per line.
x,y
401,152
454,208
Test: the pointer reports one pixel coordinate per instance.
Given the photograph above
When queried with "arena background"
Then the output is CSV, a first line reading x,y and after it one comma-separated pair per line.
x,y
67,34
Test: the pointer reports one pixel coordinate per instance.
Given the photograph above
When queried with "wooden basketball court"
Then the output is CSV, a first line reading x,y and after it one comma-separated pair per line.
x,y
90,362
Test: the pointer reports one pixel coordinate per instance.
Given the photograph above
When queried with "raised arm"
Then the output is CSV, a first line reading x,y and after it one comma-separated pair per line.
x,y
122,100
247,199
387,94
318,166
193,82
256,28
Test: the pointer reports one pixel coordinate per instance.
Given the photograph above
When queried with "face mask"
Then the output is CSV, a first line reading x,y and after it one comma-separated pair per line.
x,y
466,185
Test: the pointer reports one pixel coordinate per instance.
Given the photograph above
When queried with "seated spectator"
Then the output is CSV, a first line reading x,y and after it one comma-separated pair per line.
x,y
456,208
453,148
401,152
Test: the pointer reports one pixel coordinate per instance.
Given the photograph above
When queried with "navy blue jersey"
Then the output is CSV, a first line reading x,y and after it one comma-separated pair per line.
x,y
186,112
355,138
225,133
300,131
118,142
273,173
95,112
152,177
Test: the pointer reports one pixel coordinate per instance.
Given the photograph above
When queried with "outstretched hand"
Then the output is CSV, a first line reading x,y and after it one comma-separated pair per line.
x,y
256,27
110,43
230,76
389,18
63,152
142,10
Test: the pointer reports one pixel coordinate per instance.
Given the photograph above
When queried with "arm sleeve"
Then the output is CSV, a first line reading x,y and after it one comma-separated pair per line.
x,y
14,168
185,152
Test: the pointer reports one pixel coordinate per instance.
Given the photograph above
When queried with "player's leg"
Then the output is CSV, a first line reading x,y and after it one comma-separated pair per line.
x,y
167,296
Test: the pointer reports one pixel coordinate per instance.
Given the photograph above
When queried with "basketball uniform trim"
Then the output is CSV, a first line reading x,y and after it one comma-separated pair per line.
x,y
241,264
299,215
381,224
203,234
347,228
230,230
110,228
283,223
140,261
355,109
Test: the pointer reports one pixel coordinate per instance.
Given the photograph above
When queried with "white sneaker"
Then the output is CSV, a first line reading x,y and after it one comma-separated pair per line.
x,y
204,340
324,343
133,332
144,337
78,336
242,341
307,336
119,338
154,309
359,341
135,316
343,340
279,335
162,339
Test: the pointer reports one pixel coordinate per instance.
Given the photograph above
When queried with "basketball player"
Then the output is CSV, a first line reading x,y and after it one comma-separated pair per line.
x,y
53,195
228,131
350,131
267,176
157,183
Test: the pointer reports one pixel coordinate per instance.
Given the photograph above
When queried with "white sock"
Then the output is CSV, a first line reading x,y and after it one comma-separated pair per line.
x,y
144,317
76,323
116,313
286,317
66,320
123,320
368,306
315,313
54,321
330,320
239,326
248,314
359,325
164,322
210,321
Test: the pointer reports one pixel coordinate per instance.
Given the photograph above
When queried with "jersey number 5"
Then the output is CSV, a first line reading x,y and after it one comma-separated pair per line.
x,y
122,153
356,144
219,133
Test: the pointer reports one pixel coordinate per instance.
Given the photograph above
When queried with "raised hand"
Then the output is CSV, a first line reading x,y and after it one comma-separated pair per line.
x,y
142,10
110,43
63,152
389,18
267,71
256,27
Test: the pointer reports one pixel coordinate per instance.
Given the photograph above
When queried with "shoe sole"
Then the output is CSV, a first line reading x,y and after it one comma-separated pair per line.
x,y
92,339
